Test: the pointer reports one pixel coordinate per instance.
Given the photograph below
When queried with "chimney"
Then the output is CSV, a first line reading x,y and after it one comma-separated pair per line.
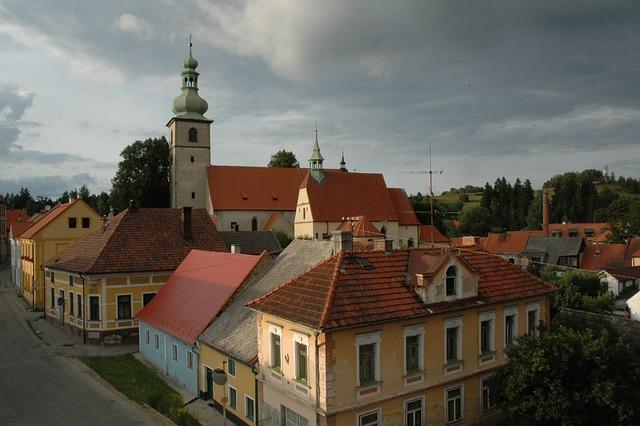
x,y
342,240
186,223
236,249
545,213
111,215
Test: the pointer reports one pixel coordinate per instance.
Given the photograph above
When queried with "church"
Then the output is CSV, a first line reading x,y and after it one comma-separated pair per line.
x,y
301,202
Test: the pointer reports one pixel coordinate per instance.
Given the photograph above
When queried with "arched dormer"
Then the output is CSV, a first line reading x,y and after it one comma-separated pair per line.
x,y
193,135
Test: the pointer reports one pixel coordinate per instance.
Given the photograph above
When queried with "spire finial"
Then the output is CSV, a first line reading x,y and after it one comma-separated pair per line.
x,y
190,44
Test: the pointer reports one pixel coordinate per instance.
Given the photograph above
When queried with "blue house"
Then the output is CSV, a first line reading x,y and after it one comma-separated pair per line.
x,y
183,308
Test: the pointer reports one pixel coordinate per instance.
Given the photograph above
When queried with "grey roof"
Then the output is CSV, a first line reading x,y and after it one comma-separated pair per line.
x,y
252,242
582,319
553,247
234,330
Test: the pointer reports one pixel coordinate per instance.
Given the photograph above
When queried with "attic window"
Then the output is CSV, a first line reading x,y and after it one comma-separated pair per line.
x,y
364,263
573,232
452,281
589,232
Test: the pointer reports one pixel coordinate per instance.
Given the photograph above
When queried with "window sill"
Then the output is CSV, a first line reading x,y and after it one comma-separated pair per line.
x,y
302,382
368,385
453,366
410,374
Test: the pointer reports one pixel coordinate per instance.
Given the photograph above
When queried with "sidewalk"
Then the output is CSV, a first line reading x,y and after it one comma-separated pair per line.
x,y
205,413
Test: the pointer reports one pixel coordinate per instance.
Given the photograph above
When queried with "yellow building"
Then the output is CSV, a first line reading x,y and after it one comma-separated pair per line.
x,y
96,286
51,234
405,337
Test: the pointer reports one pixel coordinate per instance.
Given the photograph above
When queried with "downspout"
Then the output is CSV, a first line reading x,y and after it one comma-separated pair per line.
x,y
84,314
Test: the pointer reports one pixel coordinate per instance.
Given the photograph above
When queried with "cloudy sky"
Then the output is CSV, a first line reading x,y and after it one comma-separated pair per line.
x,y
500,87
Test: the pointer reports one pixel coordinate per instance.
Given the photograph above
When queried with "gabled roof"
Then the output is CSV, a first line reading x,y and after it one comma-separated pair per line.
x,y
196,292
234,330
343,194
139,240
352,290
47,218
512,242
254,188
252,242
554,247
425,234
404,209
601,256
360,228
16,216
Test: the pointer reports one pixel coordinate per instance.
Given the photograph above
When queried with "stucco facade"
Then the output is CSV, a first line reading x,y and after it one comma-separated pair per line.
x,y
242,220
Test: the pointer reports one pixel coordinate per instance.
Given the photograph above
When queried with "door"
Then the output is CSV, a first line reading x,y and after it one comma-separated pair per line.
x,y
209,382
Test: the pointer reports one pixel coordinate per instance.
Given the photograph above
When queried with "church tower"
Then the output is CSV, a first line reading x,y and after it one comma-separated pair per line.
x,y
189,141
316,160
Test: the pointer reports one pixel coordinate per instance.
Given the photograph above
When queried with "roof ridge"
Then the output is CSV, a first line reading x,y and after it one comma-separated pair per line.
x,y
332,290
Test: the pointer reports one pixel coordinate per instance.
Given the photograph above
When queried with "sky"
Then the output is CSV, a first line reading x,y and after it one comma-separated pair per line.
x,y
514,88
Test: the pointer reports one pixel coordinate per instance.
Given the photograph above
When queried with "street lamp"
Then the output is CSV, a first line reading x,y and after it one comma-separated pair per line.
x,y
220,379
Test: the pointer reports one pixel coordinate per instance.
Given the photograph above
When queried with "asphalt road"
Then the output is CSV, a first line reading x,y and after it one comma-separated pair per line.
x,y
38,386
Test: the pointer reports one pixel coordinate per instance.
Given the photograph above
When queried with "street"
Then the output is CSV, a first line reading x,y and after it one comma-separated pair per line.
x,y
39,386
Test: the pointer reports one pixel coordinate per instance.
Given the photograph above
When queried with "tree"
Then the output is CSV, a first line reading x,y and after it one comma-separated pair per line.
x,y
570,377
579,290
283,158
475,221
422,207
142,175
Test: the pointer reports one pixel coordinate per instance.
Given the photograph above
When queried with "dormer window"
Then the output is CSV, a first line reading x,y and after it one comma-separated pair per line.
x,y
451,281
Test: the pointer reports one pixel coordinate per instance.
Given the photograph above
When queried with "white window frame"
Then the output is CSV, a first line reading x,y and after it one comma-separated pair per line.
x,y
533,306
367,339
422,408
156,341
511,310
409,331
487,316
482,380
303,339
189,357
446,404
235,390
277,330
378,411
229,362
453,323
246,405
175,353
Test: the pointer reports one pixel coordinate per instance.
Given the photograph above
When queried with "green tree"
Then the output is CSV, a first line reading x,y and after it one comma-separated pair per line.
x,y
579,290
475,221
283,158
142,175
422,206
570,377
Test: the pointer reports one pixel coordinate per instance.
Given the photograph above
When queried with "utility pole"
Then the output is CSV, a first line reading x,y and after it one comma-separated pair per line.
x,y
430,172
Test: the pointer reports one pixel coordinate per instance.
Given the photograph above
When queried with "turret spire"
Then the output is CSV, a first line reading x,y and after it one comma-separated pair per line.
x,y
316,160
189,104
343,164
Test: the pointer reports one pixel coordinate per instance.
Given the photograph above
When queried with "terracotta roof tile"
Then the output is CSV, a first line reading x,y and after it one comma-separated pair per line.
x,y
196,292
254,188
140,240
18,228
599,229
601,256
509,242
425,234
343,194
360,228
47,218
16,216
404,209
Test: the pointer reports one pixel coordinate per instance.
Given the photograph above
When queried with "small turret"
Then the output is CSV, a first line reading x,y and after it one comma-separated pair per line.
x,y
343,164
316,160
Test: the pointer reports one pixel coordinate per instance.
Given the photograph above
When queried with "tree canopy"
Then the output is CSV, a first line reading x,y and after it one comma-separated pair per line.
x,y
475,221
422,206
283,158
142,175
579,290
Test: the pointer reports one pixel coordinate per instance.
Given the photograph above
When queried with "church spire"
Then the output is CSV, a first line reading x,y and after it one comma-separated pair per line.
x,y
343,164
189,104
316,160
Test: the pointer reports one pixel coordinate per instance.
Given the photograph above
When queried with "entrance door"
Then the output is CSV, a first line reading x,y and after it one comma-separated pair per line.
x,y
209,382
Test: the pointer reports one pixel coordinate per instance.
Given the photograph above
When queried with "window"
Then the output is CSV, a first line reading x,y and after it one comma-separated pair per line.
x,y
510,325
174,352
410,243
71,280
234,226
156,341
94,308
413,412
254,224
383,232
79,299
61,299
291,418
193,135
73,222
233,397
487,332
368,358
485,396
124,306
53,297
301,361
231,367
53,277
454,404
147,335
304,213
370,419
452,344
413,342
533,310
451,281
146,298
192,159
70,304
86,222
190,360
275,351
193,195
249,407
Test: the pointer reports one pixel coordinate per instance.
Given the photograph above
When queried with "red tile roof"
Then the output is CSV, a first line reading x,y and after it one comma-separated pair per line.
x,y
509,242
270,223
254,188
140,240
425,234
600,229
361,228
404,209
47,218
18,228
196,292
601,256
625,273
343,194
344,291
16,216
632,249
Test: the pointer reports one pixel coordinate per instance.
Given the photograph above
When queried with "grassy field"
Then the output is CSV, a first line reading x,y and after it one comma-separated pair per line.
x,y
452,199
141,384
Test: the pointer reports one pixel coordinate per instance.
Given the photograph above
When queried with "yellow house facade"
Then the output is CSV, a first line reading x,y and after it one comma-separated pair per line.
x,y
63,225
414,351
